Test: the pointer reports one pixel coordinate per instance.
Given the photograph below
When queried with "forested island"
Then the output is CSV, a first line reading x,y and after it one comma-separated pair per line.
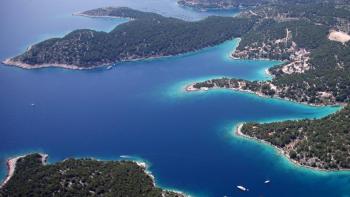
x,y
32,176
147,35
312,39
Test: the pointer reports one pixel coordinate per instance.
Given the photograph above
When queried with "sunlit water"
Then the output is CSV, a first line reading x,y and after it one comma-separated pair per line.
x,y
140,109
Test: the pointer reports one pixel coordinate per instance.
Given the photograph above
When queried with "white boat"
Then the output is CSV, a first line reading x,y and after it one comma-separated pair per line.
x,y
124,156
242,188
267,181
33,105
205,88
109,67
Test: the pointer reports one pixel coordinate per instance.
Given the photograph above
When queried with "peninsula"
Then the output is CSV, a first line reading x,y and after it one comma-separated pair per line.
x,y
147,35
30,175
322,144
312,40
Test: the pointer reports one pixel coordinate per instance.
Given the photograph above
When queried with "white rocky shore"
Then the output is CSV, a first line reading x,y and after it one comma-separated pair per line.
x,y
11,62
144,165
11,166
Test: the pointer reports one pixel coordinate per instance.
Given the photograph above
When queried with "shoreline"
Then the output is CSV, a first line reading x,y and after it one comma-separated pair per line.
x,y
267,70
94,16
238,132
23,65
11,166
145,166
190,88
247,59
268,73
11,62
231,55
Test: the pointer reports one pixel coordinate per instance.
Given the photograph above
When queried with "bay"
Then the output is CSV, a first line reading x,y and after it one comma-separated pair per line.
x,y
140,109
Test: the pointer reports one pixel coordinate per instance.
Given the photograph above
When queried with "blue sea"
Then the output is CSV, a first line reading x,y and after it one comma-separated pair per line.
x,y
140,109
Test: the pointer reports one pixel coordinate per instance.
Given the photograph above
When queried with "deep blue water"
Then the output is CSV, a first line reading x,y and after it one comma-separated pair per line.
x,y
140,109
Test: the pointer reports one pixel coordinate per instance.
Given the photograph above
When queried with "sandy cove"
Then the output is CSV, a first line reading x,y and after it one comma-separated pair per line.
x,y
11,166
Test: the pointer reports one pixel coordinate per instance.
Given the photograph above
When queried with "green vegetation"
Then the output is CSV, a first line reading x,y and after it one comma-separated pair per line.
x,y
323,143
331,65
331,14
122,12
292,7
80,177
219,4
304,33
316,71
149,35
328,65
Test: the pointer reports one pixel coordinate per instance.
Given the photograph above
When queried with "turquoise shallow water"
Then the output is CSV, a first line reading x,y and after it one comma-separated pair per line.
x,y
140,109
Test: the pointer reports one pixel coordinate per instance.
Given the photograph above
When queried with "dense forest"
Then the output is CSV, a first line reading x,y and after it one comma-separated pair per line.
x,y
81,177
329,61
284,4
219,4
258,87
148,35
315,71
122,12
335,14
323,143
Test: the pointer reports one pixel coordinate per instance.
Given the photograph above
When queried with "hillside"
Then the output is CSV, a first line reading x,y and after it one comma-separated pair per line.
x,y
315,68
147,35
81,177
219,4
315,71
322,144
